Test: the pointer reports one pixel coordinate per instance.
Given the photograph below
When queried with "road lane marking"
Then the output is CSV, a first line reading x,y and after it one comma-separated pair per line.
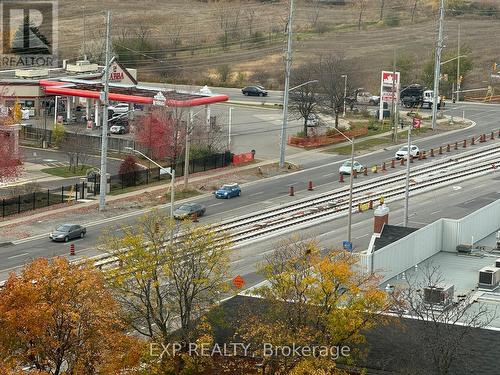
x,y
18,255
215,204
435,212
260,192
364,235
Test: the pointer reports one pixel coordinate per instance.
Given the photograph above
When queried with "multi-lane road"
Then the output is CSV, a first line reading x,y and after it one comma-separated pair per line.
x,y
318,167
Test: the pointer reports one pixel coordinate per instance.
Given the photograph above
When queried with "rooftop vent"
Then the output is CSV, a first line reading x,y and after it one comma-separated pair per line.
x,y
31,73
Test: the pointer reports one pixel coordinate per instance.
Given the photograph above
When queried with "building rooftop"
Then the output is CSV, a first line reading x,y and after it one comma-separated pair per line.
x,y
390,234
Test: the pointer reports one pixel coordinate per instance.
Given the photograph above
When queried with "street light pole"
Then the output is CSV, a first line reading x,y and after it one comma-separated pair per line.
x,y
437,65
349,217
345,92
288,65
170,171
407,188
351,184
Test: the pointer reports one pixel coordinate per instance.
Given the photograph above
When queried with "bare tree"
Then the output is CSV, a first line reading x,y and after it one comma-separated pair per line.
x,y
360,6
76,149
229,18
382,5
249,15
447,327
414,9
314,13
330,71
304,100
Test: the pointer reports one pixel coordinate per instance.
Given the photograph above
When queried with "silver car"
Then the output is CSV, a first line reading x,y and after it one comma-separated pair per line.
x,y
67,232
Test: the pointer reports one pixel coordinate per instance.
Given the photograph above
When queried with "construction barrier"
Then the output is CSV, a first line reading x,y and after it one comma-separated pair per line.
x,y
324,140
243,158
310,186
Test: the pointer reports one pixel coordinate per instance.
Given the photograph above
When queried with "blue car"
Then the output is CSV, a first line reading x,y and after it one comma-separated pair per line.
x,y
228,191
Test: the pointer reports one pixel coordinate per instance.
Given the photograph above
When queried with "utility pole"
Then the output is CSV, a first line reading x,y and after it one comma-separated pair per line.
x,y
407,188
84,35
458,66
437,65
104,135
230,120
288,64
189,127
394,98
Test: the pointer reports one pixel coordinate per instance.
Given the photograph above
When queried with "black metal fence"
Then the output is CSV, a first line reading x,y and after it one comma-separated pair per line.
x,y
40,199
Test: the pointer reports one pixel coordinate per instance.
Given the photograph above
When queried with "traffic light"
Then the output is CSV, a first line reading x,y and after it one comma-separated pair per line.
x,y
460,79
494,67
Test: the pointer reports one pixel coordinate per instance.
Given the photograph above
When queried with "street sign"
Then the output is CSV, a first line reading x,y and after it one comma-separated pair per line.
x,y
416,123
238,282
159,99
347,245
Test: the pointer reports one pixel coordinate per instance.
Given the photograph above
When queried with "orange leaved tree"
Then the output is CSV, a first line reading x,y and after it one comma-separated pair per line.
x,y
57,317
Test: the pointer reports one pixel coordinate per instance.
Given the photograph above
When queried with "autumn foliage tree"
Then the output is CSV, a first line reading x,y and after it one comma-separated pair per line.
x,y
314,299
163,133
10,163
127,169
58,318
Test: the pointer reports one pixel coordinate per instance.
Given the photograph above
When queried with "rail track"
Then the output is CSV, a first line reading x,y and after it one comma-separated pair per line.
x,y
328,206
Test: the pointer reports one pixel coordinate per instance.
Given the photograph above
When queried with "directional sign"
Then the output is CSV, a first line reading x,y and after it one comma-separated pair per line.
x,y
347,245
238,282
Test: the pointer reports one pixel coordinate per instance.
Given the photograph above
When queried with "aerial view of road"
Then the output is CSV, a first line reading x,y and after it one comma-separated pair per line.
x,y
249,187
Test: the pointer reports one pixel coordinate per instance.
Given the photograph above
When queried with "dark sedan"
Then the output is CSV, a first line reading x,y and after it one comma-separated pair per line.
x,y
67,232
188,209
254,91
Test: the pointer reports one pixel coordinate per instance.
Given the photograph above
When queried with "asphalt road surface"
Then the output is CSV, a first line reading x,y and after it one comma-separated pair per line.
x,y
323,171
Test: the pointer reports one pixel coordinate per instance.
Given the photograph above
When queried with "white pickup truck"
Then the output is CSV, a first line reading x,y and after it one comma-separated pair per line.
x,y
362,96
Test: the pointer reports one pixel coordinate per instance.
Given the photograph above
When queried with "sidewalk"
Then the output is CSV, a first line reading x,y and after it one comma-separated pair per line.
x,y
146,198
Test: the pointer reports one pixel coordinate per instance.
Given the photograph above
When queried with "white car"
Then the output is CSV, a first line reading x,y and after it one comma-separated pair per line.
x,y
346,167
118,129
403,152
119,108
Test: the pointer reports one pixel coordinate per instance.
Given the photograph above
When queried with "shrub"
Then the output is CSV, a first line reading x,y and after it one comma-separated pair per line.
x,y
58,132
391,20
373,124
127,170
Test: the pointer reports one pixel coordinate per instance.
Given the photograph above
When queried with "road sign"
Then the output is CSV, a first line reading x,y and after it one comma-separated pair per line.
x,y
159,99
347,245
416,123
165,170
238,282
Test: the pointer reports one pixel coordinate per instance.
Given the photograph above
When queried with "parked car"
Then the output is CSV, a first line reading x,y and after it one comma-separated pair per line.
x,y
254,91
228,191
119,108
403,152
362,96
118,129
67,232
346,167
187,209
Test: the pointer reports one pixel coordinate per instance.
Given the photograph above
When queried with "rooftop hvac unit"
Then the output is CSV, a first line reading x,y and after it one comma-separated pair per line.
x,y
489,277
497,263
439,296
